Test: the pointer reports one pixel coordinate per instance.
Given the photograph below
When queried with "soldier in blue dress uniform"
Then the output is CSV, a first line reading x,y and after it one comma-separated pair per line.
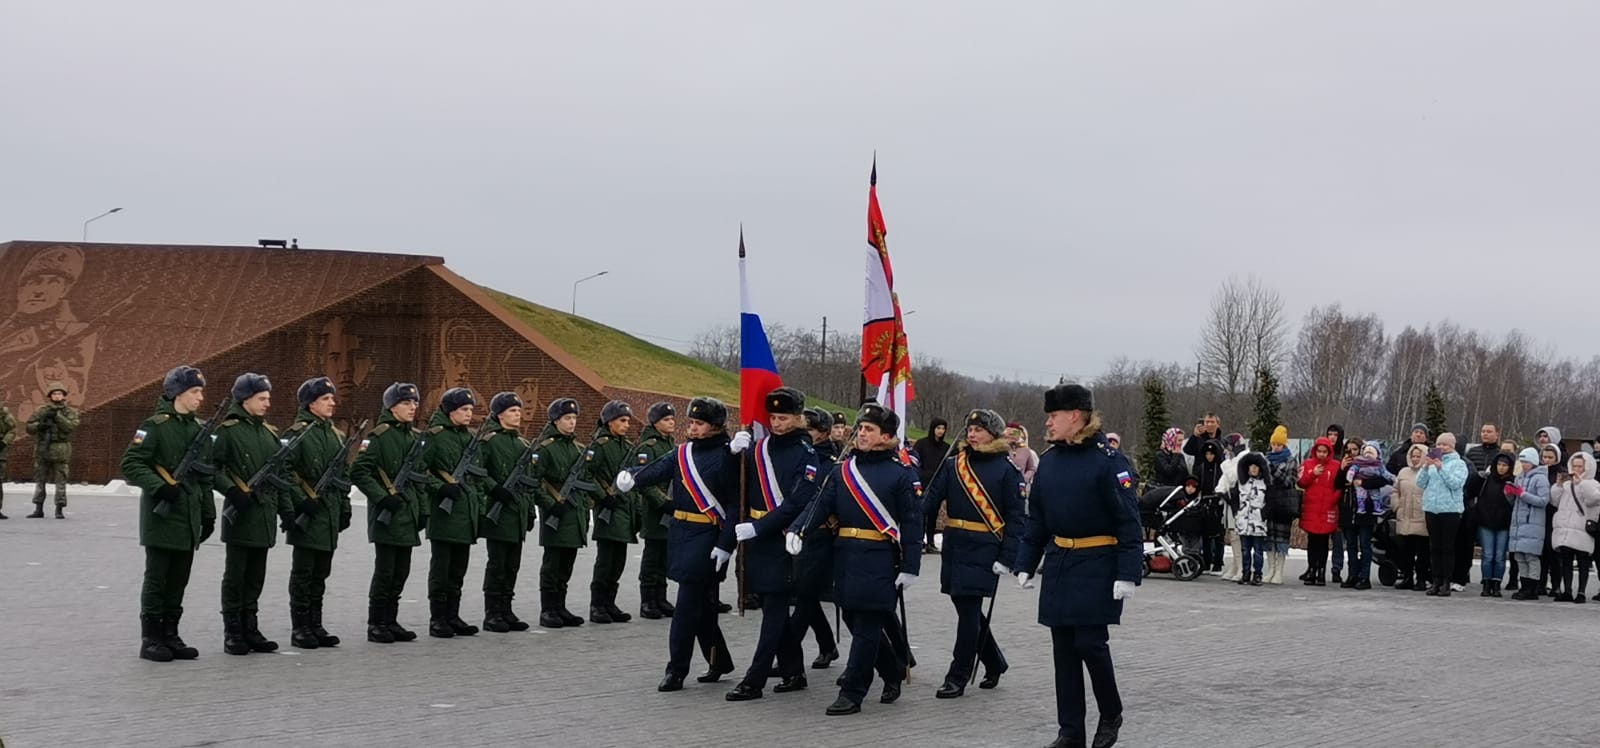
x,y
704,475
780,480
1083,519
877,501
813,569
982,493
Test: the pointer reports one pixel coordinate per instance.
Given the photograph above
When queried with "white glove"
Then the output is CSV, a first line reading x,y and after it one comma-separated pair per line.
x,y
792,543
624,481
1024,580
1001,570
720,558
744,531
1122,590
905,580
740,443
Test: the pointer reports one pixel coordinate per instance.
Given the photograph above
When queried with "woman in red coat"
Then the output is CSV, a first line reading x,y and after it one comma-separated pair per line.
x,y
1319,511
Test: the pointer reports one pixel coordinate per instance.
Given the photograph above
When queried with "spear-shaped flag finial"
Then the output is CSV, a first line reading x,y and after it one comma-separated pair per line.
x,y
874,182
741,240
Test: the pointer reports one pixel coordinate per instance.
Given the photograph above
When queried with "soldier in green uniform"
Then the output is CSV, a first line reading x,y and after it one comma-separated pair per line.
x,y
245,442
655,511
453,511
615,512
52,426
174,518
563,520
8,433
395,519
326,514
504,529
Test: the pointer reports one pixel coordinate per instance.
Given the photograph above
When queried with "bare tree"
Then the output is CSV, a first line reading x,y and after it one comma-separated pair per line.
x,y
1244,332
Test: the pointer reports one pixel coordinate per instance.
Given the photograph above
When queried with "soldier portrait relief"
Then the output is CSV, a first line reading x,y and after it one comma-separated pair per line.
x,y
43,341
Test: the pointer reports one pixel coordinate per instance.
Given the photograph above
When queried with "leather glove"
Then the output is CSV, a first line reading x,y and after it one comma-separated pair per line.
x,y
391,503
308,507
206,530
1001,570
740,443
168,493
286,522
1024,580
1121,590
237,498
344,521
624,481
744,531
904,581
720,558
792,543
450,491
503,495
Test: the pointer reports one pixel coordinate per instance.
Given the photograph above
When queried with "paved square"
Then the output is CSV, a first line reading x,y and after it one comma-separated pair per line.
x,y
1204,663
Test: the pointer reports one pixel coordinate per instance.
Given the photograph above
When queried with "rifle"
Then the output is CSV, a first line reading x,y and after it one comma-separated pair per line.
x,y
407,473
269,474
333,477
574,482
191,462
465,467
517,479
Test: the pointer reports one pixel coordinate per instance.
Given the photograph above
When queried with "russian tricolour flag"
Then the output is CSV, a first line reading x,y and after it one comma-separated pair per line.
x,y
758,370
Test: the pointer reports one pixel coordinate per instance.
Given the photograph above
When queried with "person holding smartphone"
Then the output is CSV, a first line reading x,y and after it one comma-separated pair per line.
x,y
1442,478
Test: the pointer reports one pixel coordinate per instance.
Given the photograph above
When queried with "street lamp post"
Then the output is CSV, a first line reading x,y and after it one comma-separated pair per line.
x,y
575,289
96,218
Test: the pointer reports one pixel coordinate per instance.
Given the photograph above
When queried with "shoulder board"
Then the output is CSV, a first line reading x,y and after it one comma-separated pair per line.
x,y
547,442
651,440
488,436
298,427
435,429
270,428
382,427
163,418
600,441
229,422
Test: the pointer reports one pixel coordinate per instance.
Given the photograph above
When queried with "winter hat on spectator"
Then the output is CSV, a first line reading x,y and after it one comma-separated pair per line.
x,y
1370,450
1172,440
1529,455
1280,436
1423,427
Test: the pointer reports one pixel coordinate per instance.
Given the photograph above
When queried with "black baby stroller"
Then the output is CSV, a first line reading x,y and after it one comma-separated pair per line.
x,y
1171,514
1384,538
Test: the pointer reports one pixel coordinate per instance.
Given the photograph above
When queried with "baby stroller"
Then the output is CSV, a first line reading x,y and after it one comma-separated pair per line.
x,y
1169,512
1383,543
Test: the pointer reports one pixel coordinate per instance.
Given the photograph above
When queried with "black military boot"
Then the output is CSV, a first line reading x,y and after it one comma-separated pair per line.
x,y
1105,734
952,688
38,510
566,615
174,642
842,706
378,625
549,617
152,641
400,633
324,639
791,684
301,637
517,624
824,659
665,605
648,608
253,637
233,635
439,619
61,512
460,627
597,608
617,614
494,618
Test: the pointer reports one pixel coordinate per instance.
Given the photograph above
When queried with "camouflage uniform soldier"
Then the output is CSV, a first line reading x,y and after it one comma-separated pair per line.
x,y
245,442
52,427
615,512
656,511
174,518
8,433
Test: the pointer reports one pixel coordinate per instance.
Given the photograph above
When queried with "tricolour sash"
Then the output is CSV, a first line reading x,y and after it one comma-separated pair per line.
x,y
767,476
696,486
978,494
869,502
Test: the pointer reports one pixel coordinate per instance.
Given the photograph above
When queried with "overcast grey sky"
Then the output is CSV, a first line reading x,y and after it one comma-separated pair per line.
x,y
1063,182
